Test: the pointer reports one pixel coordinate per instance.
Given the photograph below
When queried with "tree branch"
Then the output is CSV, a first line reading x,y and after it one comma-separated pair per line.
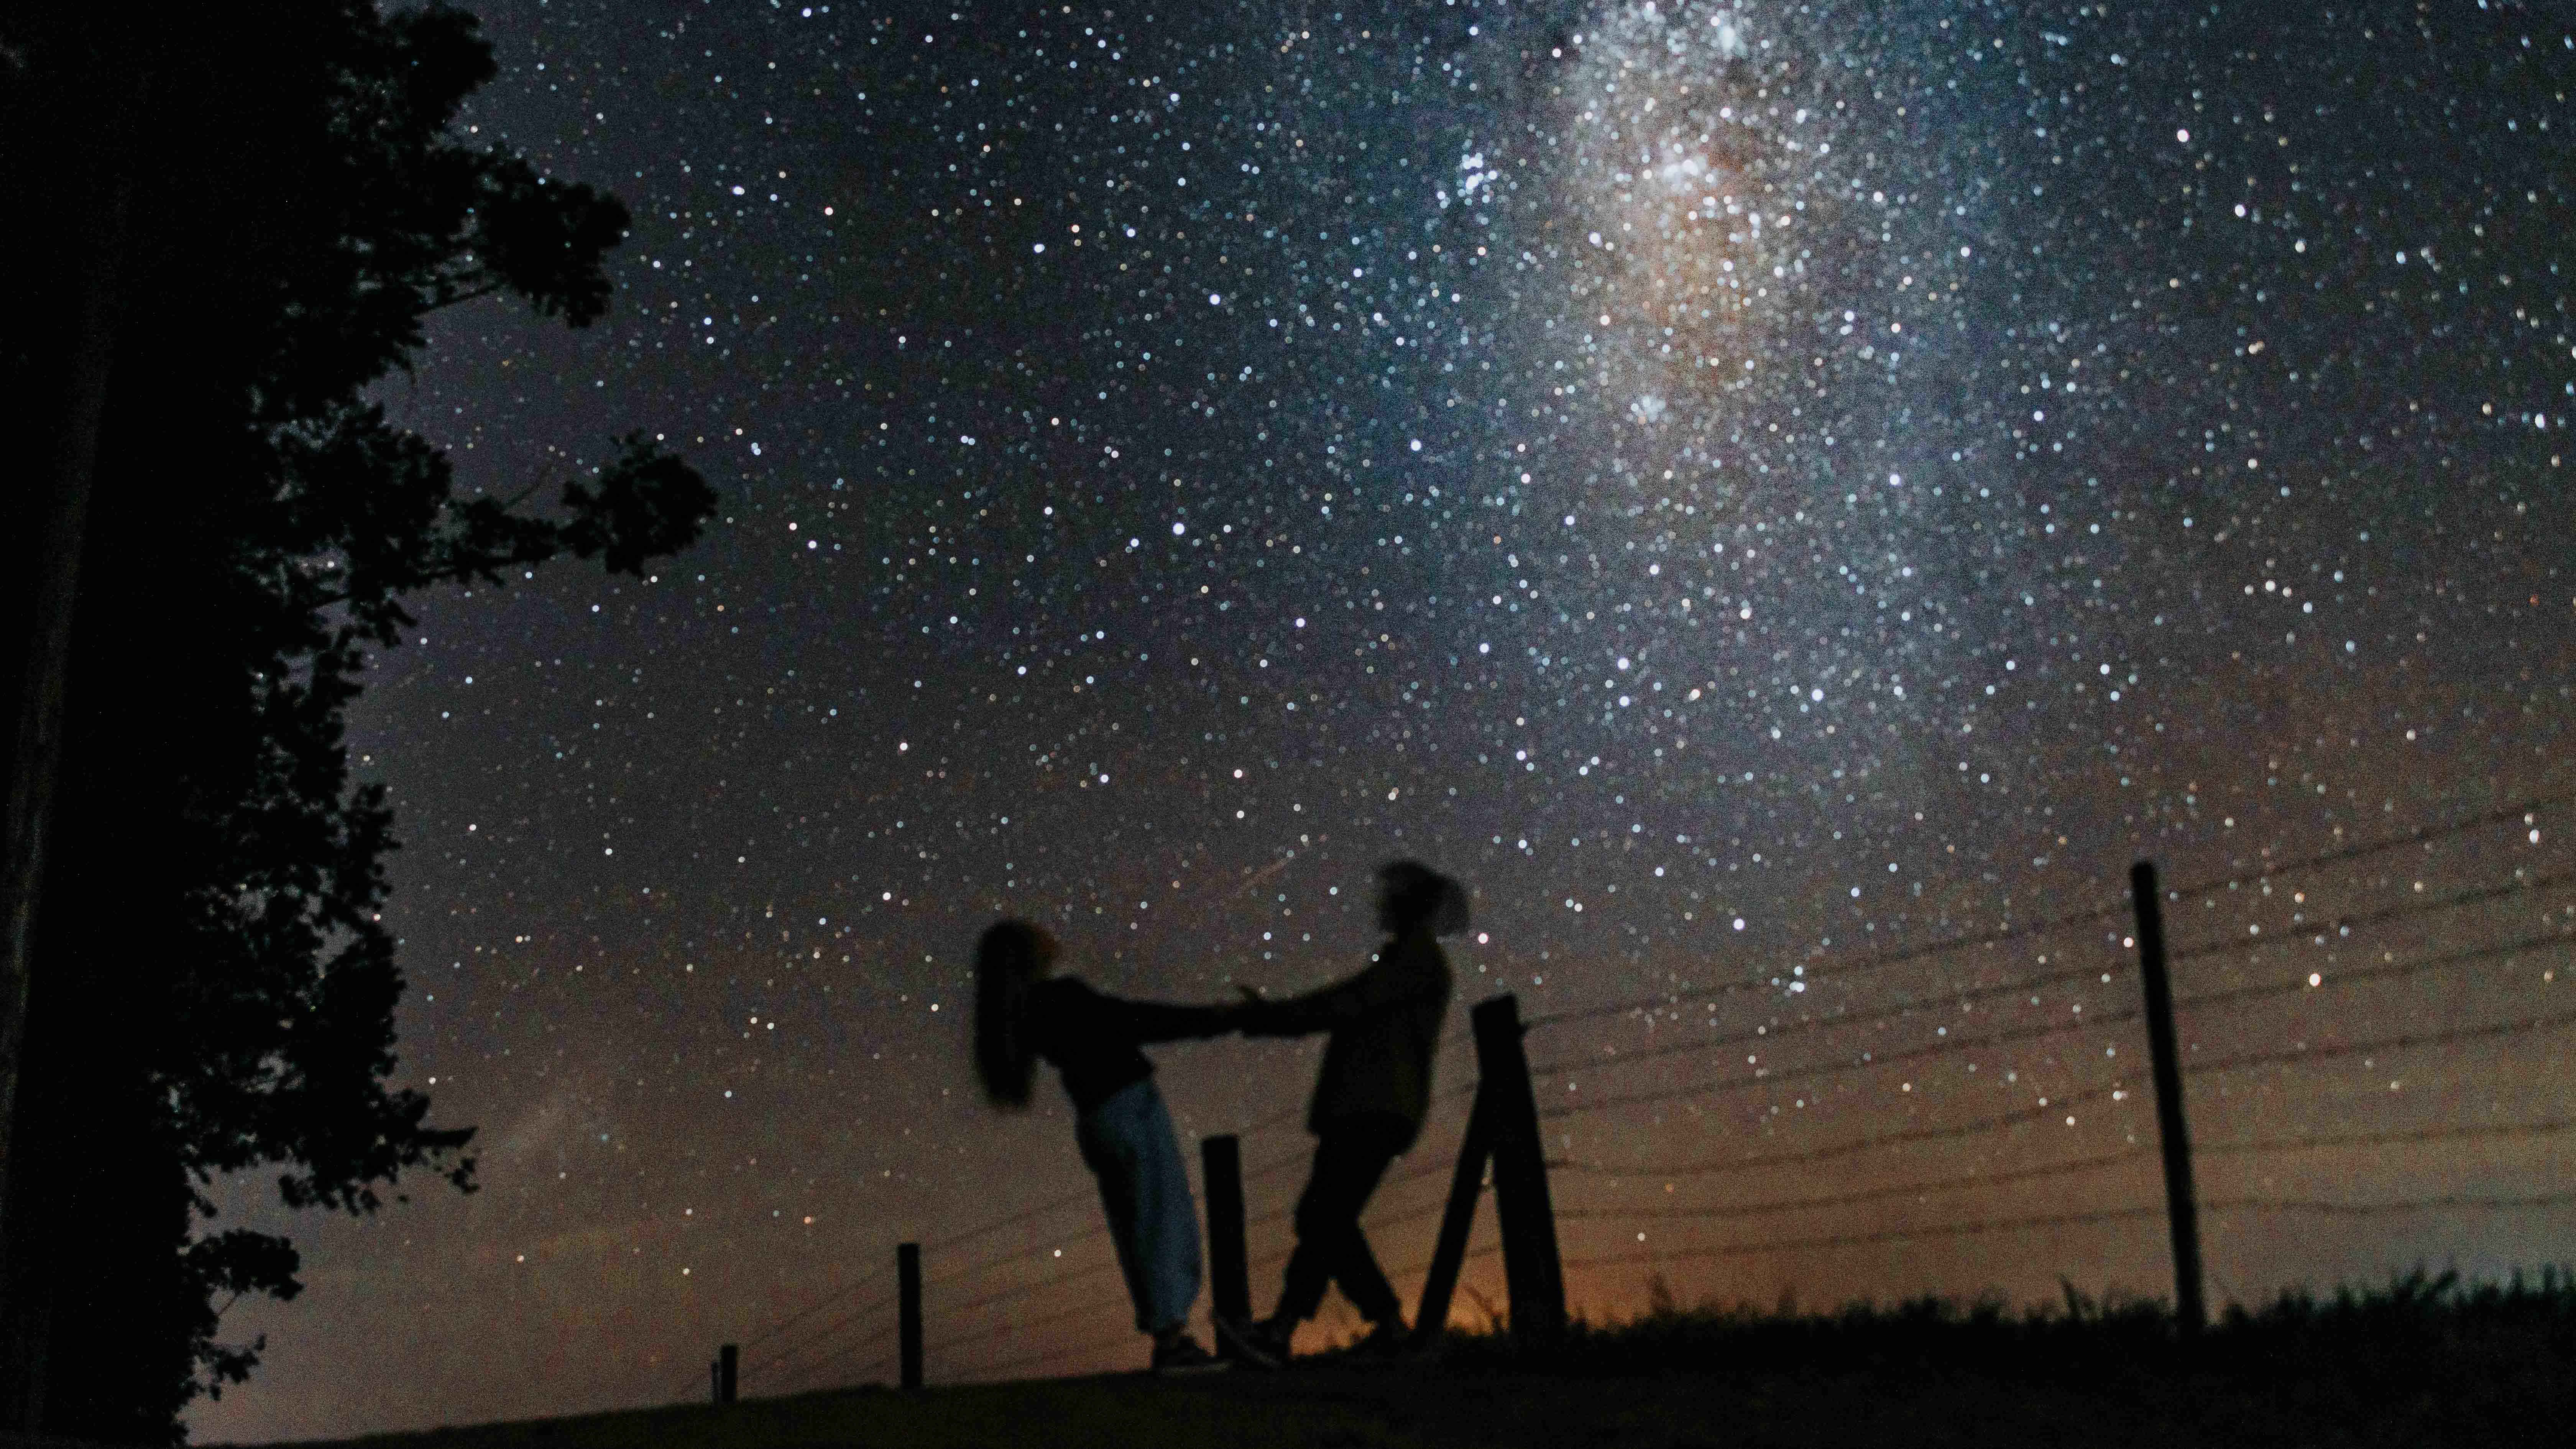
x,y
469,295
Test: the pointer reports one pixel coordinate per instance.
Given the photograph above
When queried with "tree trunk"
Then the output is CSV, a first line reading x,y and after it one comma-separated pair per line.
x,y
72,118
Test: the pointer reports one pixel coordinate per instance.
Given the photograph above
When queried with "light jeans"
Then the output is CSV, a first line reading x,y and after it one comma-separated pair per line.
x,y
1128,1143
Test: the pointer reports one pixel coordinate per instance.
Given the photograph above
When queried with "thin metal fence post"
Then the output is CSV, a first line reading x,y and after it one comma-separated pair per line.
x,y
1532,1270
1229,1280
2182,1211
907,1273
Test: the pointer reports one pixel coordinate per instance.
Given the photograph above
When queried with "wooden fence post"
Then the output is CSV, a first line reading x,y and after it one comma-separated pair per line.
x,y
728,1368
1466,1183
2182,1213
907,1277
1531,1268
1229,1280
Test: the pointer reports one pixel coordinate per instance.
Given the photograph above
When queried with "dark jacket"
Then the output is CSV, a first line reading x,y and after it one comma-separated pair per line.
x,y
1385,1025
1092,1037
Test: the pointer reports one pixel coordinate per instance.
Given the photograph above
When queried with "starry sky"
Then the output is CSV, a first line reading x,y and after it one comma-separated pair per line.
x,y
1787,501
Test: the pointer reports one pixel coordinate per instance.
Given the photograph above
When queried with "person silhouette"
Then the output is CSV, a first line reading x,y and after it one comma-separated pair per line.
x,y
1022,1015
1369,1101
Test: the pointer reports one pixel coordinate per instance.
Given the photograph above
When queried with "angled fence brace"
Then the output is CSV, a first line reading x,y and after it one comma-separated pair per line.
x,y
1501,1127
1456,1221
1531,1269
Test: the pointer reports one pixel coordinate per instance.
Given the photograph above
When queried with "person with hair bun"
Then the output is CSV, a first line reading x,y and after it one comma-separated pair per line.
x,y
1370,1098
1023,1015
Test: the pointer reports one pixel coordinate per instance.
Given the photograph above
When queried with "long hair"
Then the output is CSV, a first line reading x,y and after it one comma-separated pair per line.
x,y
1412,895
1009,958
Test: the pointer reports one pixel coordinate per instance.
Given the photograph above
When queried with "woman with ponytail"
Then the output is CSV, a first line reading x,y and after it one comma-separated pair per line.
x,y
1024,1015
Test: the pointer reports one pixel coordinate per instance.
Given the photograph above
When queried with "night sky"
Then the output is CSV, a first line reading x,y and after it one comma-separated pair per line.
x,y
1756,493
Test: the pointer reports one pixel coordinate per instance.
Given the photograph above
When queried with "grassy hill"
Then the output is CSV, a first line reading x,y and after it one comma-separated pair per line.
x,y
2424,1362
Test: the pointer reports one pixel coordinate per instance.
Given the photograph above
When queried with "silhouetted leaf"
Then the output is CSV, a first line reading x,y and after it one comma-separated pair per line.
x,y
648,503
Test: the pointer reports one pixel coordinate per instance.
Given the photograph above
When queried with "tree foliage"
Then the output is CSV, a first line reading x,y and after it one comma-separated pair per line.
x,y
214,989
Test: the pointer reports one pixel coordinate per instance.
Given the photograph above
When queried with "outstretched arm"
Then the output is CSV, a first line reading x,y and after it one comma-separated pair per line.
x,y
1152,1021
1383,986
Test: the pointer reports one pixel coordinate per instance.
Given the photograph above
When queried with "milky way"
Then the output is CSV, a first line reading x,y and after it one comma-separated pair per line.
x,y
1751,489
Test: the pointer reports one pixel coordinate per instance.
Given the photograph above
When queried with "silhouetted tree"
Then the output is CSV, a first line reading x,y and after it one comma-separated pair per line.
x,y
237,218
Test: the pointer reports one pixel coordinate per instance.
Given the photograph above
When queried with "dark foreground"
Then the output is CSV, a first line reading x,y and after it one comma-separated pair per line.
x,y
2423,1363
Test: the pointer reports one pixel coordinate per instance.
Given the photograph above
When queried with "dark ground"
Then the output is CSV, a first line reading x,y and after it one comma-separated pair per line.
x,y
1385,1409
2363,1375
2423,1363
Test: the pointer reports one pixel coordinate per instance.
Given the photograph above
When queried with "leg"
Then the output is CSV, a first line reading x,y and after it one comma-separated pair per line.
x,y
1167,1222
1364,1282
1330,1246
1356,1270
1310,1265
1106,1135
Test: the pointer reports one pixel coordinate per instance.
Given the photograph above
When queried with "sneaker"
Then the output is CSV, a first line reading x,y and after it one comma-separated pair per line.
x,y
1181,1354
1261,1344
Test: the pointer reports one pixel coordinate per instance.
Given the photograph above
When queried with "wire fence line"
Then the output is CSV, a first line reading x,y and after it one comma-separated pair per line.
x,y
2379,1139
817,1306
783,1363
2056,1105
861,1313
1007,1295
2052,1107
837,1296
1962,996
804,1378
819,1347
1766,982
1051,1205
2065,920
1030,1304
2500,814
1767,1033
2089,1217
786,1365
2127,1156
1852,1240
1055,1283
2403,1041
1874,1059
963,1236
1000,1330
2272,1145
2391,971
1766,1077
807,1369
2343,925
2449,1202
1958,1182
1770,1076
